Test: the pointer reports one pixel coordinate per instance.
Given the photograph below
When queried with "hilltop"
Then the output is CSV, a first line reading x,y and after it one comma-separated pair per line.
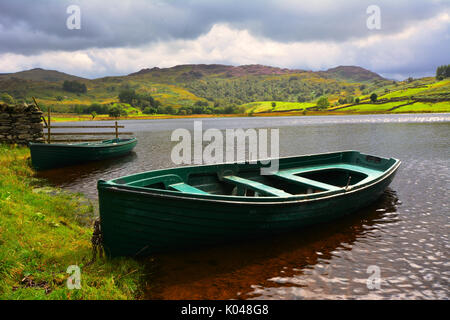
x,y
38,74
218,70
352,73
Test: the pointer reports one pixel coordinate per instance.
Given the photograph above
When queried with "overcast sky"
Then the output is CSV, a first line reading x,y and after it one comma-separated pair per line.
x,y
122,36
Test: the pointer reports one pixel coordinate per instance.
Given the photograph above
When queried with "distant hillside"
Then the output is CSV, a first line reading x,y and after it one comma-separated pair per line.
x,y
222,84
352,73
39,74
190,71
217,87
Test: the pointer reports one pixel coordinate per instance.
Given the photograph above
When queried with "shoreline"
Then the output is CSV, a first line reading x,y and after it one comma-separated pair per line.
x,y
76,118
45,230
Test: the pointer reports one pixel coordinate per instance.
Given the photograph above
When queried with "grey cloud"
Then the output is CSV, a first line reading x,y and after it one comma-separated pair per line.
x,y
30,27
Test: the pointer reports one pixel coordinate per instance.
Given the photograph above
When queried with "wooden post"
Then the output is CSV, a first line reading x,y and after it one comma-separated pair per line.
x,y
117,131
37,106
49,135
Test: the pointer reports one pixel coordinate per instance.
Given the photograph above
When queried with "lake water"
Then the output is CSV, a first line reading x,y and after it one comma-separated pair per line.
x,y
404,235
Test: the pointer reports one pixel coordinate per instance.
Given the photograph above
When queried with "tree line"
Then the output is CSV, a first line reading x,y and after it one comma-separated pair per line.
x,y
142,102
443,72
295,88
74,86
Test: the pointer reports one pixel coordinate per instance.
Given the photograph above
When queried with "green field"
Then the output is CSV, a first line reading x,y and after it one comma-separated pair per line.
x,y
425,107
418,89
417,107
368,107
266,106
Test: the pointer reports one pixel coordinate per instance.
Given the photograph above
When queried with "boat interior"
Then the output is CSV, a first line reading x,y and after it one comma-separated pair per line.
x,y
294,177
104,142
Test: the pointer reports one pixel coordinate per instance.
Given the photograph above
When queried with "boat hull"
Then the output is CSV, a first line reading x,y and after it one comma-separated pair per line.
x,y
138,223
49,156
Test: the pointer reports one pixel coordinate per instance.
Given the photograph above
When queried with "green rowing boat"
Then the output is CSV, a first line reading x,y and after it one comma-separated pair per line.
x,y
186,207
47,156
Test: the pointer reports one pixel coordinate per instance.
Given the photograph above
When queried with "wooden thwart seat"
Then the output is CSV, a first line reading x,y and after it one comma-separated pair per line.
x,y
255,186
171,182
186,188
367,171
304,181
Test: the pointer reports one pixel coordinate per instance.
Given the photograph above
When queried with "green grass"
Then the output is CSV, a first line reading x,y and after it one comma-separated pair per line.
x,y
425,107
419,88
266,106
43,231
368,107
384,107
404,93
58,118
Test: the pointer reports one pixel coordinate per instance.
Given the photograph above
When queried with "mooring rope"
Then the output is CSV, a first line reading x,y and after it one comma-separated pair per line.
x,y
97,242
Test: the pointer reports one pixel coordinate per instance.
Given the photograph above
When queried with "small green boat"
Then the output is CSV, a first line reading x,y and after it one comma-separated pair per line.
x,y
47,156
186,207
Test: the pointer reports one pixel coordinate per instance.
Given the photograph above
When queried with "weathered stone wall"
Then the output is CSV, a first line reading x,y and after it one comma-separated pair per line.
x,y
20,124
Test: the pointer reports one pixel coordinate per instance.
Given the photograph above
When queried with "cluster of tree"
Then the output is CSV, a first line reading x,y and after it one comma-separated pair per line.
x,y
443,72
261,88
97,108
74,86
160,110
345,100
249,89
200,107
323,103
141,101
113,110
373,97
117,111
229,109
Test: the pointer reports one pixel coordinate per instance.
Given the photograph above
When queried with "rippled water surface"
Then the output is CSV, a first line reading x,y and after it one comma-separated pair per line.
x,y
405,233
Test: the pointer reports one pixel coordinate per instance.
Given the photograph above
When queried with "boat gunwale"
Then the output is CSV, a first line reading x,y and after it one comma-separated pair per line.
x,y
213,198
80,145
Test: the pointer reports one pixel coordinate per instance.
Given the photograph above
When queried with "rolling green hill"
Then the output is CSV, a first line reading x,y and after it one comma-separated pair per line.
x,y
250,89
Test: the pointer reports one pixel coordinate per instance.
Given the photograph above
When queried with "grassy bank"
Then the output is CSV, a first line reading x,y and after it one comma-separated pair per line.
x,y
266,108
43,231
73,117
363,109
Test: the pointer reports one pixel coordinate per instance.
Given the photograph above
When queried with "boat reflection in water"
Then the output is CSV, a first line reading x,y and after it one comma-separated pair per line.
x,y
299,262
78,177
